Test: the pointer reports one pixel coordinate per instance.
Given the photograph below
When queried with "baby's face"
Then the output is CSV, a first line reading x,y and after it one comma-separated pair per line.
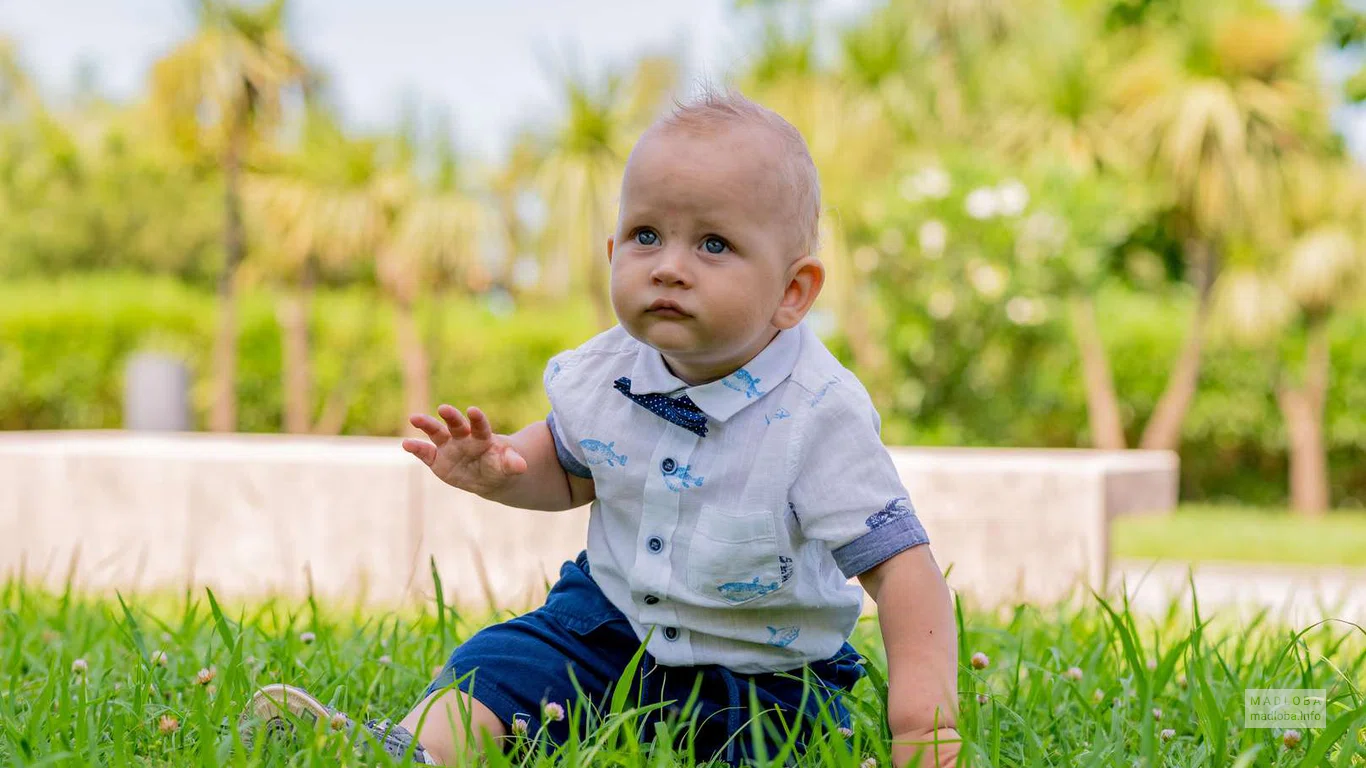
x,y
705,247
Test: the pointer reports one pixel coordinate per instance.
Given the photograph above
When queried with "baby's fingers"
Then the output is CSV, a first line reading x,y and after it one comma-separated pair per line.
x,y
513,463
423,450
479,424
454,420
431,427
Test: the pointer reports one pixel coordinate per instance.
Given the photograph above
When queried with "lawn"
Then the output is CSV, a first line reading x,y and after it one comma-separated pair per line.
x,y
1198,533
92,681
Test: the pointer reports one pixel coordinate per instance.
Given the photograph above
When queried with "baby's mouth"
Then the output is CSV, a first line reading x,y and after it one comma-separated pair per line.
x,y
666,309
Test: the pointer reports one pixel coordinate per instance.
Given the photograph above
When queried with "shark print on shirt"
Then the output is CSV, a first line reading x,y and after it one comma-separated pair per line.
x,y
740,591
678,478
823,391
782,637
743,381
598,452
778,415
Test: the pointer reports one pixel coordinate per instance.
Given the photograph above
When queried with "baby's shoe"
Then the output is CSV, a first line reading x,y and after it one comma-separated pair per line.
x,y
275,708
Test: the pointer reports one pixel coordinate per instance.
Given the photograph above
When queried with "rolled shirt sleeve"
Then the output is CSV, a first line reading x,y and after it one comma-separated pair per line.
x,y
847,492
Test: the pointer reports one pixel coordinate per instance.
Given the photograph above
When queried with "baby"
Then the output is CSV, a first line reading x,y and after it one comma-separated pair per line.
x,y
736,476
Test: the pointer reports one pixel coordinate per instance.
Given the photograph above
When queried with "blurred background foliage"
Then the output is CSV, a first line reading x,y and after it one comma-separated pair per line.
x,y
1124,223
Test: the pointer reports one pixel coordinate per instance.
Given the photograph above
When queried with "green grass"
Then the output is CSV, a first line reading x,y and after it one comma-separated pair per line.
x,y
1197,533
1022,709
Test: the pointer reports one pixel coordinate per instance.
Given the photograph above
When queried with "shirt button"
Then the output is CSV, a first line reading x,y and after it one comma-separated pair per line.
x,y
671,633
655,544
651,600
668,465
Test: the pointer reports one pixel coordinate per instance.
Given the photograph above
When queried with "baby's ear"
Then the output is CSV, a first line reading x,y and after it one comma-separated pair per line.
x,y
806,277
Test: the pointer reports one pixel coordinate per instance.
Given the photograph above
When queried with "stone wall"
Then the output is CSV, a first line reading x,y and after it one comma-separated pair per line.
x,y
357,518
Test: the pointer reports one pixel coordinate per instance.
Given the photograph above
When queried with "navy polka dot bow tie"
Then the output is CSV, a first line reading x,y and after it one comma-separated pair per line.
x,y
679,410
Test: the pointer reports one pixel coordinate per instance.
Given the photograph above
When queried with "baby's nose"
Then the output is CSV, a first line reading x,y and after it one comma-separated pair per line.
x,y
669,269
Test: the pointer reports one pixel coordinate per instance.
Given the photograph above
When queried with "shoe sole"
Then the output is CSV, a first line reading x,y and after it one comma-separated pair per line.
x,y
276,707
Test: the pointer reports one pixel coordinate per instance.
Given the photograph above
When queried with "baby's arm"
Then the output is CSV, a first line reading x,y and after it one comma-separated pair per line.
x,y
918,630
519,470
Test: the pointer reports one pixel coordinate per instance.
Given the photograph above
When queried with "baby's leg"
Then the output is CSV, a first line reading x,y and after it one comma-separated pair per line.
x,y
439,724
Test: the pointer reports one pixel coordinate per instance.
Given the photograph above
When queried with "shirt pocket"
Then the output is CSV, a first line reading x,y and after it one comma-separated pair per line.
x,y
733,555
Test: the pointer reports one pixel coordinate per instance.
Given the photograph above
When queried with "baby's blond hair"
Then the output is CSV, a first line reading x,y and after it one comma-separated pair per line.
x,y
715,108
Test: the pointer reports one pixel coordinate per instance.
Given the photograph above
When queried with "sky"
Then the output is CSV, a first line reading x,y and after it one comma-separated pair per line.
x,y
492,64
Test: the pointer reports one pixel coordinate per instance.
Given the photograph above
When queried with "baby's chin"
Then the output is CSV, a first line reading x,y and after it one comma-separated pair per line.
x,y
671,337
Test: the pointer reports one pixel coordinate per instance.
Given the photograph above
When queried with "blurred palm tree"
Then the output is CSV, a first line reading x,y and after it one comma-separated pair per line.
x,y
851,140
313,211
346,201
218,92
1214,105
1310,267
581,176
438,235
18,97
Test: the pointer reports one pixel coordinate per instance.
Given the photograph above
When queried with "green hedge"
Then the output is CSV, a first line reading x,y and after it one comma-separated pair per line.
x,y
63,346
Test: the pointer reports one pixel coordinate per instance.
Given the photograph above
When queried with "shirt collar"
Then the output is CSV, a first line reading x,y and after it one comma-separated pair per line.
x,y
724,397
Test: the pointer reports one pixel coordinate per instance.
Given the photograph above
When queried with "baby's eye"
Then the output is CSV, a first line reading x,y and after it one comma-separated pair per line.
x,y
646,237
714,245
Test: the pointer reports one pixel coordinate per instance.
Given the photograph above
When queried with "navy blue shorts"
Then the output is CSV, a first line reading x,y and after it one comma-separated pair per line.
x,y
523,663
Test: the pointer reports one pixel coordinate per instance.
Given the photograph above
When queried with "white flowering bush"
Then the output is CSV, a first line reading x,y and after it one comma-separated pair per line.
x,y
976,293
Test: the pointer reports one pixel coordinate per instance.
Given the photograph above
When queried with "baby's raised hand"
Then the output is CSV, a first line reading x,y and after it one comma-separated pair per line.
x,y
465,453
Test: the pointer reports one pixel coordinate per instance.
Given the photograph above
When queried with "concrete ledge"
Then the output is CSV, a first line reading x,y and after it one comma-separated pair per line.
x,y
357,518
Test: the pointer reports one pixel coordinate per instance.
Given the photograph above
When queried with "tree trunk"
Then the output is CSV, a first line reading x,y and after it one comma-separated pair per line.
x,y
292,309
1302,408
223,414
1163,431
413,357
1102,405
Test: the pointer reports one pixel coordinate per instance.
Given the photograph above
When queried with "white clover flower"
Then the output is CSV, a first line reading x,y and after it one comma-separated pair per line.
x,y
1073,673
982,698
519,726
80,666
160,658
168,725
1011,198
554,711
980,660
981,203
1291,738
941,304
847,733
1168,734
1157,714
338,721
989,281
205,675
386,659
869,763
307,638
933,236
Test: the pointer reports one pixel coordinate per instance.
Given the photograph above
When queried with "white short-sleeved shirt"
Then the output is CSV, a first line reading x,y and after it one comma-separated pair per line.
x,y
735,547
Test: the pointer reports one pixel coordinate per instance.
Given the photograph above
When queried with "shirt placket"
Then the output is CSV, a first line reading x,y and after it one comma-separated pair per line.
x,y
652,576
